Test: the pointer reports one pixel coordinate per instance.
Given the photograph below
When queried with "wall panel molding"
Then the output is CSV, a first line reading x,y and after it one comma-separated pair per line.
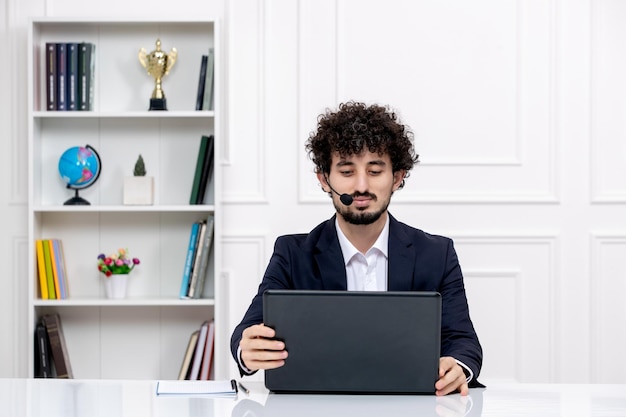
x,y
245,147
517,277
524,166
607,286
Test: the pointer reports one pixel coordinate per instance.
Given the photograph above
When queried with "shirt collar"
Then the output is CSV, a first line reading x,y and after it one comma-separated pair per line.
x,y
348,250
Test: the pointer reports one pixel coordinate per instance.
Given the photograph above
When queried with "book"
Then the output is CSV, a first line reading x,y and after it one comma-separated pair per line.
x,y
61,76
199,352
51,75
41,270
86,68
55,270
49,274
196,260
58,347
43,368
71,89
201,81
191,250
213,388
195,290
207,358
207,101
204,141
207,170
191,347
59,262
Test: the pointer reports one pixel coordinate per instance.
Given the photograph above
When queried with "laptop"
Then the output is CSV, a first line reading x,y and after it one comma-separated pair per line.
x,y
382,342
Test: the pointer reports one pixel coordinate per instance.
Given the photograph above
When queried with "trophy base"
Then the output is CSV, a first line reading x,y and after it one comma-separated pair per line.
x,y
158,104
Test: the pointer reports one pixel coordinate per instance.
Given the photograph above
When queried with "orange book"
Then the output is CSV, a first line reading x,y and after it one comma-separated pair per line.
x,y
41,269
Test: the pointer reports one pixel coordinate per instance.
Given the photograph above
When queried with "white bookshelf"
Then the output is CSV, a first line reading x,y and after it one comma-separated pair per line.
x,y
145,335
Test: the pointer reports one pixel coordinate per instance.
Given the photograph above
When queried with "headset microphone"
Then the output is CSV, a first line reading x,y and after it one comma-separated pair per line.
x,y
346,199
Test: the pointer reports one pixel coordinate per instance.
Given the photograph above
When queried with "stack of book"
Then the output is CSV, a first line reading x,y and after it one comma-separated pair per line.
x,y
51,269
197,260
70,70
198,360
204,97
51,356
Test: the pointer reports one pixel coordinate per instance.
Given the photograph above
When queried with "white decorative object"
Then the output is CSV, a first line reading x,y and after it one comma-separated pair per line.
x,y
138,190
115,286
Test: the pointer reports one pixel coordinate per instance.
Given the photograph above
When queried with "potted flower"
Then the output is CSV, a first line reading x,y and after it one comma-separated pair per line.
x,y
139,189
116,268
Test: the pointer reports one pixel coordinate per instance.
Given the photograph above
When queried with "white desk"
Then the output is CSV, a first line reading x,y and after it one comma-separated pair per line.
x,y
107,398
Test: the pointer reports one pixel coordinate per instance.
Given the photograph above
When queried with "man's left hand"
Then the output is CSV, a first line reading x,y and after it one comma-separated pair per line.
x,y
451,377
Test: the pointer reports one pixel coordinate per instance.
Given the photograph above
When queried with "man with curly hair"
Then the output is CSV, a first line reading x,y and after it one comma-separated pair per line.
x,y
364,151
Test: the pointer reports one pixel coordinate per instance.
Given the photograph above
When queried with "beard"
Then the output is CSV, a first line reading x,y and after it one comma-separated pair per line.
x,y
360,216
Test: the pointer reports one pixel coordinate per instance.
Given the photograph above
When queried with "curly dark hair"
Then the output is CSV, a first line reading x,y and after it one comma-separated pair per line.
x,y
356,126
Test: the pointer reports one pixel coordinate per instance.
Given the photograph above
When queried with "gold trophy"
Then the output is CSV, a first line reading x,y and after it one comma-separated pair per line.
x,y
158,64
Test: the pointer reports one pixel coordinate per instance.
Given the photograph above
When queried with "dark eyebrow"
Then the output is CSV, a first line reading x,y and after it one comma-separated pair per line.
x,y
379,162
376,162
343,163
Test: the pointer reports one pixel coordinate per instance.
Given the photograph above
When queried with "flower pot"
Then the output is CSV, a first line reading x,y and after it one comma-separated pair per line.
x,y
139,190
115,286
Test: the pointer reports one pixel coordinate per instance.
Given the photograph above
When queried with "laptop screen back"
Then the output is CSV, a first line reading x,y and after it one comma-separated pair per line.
x,y
355,342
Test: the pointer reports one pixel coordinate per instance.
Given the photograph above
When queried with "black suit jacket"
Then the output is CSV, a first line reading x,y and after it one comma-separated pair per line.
x,y
418,261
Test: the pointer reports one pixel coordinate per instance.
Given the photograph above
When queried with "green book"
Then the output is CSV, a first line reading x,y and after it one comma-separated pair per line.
x,y
49,274
198,173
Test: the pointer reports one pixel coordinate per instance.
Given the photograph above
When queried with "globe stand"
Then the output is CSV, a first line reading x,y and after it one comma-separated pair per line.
x,y
76,200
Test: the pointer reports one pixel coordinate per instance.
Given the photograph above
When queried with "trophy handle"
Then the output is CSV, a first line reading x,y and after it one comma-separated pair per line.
x,y
143,58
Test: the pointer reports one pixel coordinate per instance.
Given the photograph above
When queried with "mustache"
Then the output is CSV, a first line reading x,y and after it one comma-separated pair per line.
x,y
366,194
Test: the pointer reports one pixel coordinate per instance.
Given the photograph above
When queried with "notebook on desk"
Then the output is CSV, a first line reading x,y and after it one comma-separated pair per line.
x,y
355,342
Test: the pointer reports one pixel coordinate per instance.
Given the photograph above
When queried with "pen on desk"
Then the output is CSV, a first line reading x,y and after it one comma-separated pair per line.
x,y
244,389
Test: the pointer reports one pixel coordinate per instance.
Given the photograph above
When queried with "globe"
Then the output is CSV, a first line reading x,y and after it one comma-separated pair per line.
x,y
79,167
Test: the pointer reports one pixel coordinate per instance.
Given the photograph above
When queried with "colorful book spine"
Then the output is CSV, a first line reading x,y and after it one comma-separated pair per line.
x,y
207,171
51,75
191,250
55,269
207,359
49,274
42,352
199,353
201,81
204,141
196,260
86,59
58,346
195,291
41,270
207,101
186,364
72,77
57,247
61,83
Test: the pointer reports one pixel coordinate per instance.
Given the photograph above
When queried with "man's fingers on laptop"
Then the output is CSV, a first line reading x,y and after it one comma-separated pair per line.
x,y
258,330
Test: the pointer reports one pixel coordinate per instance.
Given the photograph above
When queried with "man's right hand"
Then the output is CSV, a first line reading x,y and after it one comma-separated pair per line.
x,y
259,350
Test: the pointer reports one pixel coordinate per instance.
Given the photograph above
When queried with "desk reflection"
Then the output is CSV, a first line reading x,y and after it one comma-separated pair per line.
x,y
312,405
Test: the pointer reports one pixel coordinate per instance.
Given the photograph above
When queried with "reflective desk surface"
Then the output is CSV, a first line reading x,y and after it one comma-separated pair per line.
x,y
110,398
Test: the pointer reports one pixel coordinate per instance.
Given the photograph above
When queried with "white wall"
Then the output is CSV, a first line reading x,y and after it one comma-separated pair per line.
x,y
518,110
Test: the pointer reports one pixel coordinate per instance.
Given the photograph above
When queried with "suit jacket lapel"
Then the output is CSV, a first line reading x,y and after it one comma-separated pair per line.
x,y
401,258
329,259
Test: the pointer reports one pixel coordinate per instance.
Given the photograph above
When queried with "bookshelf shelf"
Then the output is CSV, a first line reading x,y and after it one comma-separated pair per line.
x,y
192,114
198,208
127,302
152,324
